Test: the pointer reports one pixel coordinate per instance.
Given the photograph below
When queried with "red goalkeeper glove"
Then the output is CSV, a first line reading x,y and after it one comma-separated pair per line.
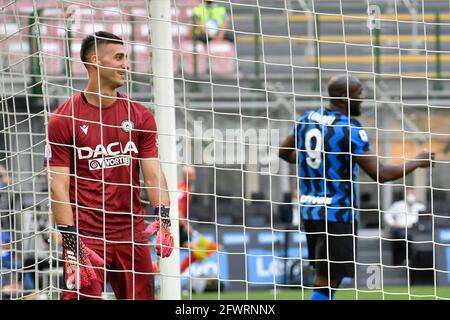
x,y
78,259
164,238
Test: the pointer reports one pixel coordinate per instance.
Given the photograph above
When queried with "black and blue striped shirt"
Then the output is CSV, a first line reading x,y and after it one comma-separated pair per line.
x,y
327,176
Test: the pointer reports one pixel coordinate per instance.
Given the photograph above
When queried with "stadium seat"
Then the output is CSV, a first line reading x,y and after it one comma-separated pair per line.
x,y
92,20
180,31
141,39
176,61
184,14
9,27
77,66
176,54
142,32
181,28
186,3
52,23
53,55
141,55
115,22
142,59
52,40
123,30
90,28
222,57
140,25
16,52
187,57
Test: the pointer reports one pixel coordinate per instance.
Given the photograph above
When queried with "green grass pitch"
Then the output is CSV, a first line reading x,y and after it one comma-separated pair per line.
x,y
389,293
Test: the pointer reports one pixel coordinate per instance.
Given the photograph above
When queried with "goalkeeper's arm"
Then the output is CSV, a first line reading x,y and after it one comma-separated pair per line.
x,y
155,183
157,192
78,258
60,187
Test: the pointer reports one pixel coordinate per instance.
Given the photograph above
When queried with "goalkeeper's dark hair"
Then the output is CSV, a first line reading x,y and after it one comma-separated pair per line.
x,y
100,37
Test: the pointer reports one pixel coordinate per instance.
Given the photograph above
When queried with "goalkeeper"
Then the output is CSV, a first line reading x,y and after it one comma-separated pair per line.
x,y
330,145
99,141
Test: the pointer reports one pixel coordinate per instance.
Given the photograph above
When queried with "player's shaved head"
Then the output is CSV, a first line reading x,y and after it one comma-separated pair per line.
x,y
341,88
337,86
95,41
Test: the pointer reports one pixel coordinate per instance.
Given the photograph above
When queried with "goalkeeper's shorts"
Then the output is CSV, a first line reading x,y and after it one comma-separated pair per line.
x,y
334,249
137,282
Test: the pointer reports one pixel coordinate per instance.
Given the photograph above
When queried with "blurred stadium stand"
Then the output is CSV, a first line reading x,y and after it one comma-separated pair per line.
x,y
258,211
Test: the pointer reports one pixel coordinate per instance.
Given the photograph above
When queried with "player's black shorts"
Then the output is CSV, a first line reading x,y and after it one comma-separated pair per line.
x,y
183,236
341,241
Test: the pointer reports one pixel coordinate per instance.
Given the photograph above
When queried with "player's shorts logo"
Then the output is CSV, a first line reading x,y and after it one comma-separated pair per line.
x,y
127,125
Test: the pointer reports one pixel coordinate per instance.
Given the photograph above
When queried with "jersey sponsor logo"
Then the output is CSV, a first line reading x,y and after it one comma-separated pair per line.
x,y
363,135
112,149
315,200
103,163
113,155
127,125
84,128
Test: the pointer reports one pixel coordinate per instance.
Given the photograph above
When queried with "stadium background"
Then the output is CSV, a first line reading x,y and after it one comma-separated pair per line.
x,y
403,64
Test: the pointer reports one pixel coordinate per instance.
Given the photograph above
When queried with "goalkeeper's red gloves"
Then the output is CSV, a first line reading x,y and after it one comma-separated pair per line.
x,y
78,259
164,238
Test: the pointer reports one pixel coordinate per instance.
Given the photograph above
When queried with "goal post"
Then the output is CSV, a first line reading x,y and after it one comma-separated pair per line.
x,y
163,88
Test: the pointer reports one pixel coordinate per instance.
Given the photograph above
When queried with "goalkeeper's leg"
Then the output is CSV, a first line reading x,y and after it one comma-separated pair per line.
x,y
132,280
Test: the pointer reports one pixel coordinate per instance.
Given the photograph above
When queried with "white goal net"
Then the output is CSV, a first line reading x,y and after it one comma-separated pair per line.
x,y
243,73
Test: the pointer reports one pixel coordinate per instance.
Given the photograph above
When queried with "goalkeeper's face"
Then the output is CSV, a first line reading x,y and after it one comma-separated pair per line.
x,y
112,65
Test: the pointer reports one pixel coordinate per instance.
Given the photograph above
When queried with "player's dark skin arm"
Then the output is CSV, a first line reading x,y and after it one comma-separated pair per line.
x,y
368,162
59,187
155,183
387,172
288,150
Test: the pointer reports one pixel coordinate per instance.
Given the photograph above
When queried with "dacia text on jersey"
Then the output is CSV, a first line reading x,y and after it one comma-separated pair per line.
x,y
113,155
